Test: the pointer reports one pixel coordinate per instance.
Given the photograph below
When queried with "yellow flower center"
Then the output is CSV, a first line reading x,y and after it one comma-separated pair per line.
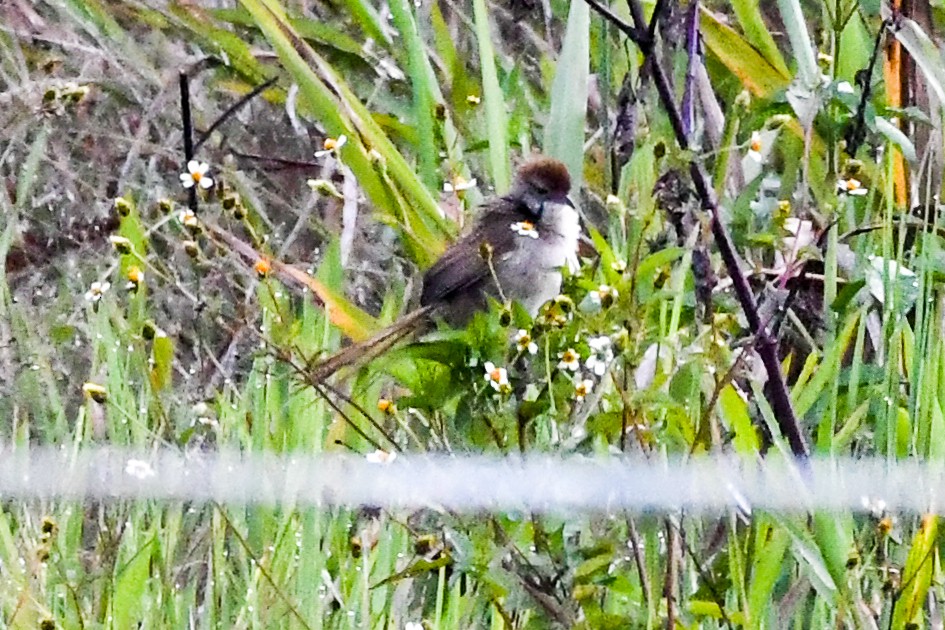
x,y
135,275
755,145
496,375
330,144
852,184
196,176
263,267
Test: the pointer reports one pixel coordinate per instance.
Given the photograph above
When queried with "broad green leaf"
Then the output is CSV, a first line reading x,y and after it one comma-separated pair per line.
x,y
897,137
564,135
734,412
222,42
162,359
755,72
767,565
808,553
352,321
834,535
130,582
796,26
758,34
917,575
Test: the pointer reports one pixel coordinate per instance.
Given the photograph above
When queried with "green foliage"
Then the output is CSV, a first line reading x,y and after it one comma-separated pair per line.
x,y
644,354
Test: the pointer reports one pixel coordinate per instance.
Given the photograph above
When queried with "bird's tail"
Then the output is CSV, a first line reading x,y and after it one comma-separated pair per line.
x,y
364,351
358,353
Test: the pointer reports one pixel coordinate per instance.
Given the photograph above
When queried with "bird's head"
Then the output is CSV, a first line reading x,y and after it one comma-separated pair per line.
x,y
540,181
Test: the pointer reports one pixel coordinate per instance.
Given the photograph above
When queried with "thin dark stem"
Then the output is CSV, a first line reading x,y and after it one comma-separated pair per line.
x,y
637,547
669,585
235,107
857,132
188,133
284,162
766,345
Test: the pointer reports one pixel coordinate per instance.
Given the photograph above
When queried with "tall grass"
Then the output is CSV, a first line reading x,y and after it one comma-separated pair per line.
x,y
208,352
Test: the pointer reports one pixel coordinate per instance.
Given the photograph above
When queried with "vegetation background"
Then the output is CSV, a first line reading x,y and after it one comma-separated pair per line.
x,y
127,320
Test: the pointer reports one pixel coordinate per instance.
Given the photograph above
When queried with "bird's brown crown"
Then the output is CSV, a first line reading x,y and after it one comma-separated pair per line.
x,y
546,175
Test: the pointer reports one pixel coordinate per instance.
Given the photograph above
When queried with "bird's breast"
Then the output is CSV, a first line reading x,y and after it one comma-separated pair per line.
x,y
531,272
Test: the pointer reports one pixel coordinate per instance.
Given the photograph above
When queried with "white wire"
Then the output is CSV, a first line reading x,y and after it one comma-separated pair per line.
x,y
468,484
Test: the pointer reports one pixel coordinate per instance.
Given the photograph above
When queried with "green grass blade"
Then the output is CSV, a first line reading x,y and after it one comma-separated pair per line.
x,y
801,47
758,34
917,575
564,135
496,114
331,100
420,78
755,72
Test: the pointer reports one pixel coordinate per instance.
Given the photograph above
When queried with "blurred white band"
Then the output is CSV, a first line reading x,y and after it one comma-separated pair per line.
x,y
470,483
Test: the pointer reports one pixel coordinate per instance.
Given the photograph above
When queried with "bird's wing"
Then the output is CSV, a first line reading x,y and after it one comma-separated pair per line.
x,y
463,266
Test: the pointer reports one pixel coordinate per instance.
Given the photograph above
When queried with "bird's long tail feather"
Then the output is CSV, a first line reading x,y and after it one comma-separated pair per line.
x,y
358,353
362,352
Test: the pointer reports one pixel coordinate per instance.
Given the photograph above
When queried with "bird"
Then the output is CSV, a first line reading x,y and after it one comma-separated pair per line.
x,y
514,252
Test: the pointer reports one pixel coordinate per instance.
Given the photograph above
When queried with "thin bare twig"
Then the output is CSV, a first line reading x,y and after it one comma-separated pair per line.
x,y
235,107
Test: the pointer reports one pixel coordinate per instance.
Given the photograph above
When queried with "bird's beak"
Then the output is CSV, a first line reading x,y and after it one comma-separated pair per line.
x,y
569,202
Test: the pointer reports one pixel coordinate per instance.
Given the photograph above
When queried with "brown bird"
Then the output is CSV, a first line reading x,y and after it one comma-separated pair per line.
x,y
514,252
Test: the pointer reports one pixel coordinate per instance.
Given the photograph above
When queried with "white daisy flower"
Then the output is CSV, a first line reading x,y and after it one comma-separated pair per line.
x,y
498,377
459,184
570,360
851,187
196,175
523,340
755,146
96,291
583,387
602,354
525,228
332,145
604,295
188,219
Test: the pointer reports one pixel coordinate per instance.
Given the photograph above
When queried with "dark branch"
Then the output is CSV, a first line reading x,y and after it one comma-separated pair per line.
x,y
188,133
857,132
780,401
